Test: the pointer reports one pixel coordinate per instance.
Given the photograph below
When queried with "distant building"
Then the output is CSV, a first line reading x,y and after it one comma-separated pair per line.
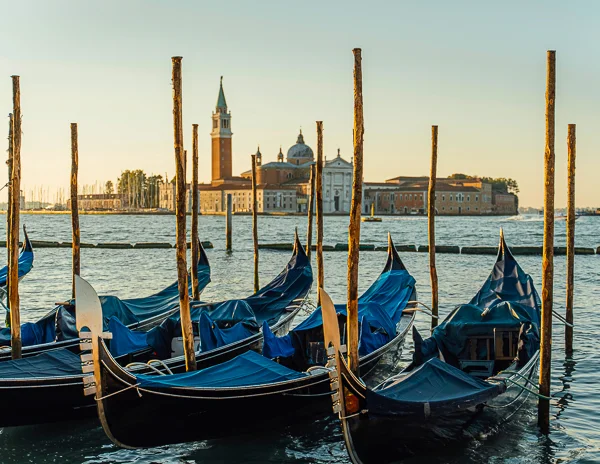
x,y
505,204
100,202
408,195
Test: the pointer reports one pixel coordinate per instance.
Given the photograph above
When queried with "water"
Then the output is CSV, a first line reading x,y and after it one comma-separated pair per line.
x,y
575,433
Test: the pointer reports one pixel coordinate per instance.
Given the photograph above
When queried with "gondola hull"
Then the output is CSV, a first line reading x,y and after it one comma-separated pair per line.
x,y
52,399
372,438
135,417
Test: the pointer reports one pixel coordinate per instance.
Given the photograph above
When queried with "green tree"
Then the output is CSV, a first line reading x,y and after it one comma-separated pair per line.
x,y
108,187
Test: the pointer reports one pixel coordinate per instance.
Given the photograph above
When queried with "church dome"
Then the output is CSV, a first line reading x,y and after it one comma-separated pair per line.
x,y
300,150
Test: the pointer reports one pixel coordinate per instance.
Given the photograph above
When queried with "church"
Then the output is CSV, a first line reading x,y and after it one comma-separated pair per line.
x,y
283,185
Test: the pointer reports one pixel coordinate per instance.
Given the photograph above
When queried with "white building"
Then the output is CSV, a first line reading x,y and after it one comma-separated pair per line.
x,y
337,185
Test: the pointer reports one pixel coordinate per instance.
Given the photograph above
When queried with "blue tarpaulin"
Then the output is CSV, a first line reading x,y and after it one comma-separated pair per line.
x,y
434,382
60,322
54,363
234,320
379,310
212,337
25,261
125,340
506,300
244,370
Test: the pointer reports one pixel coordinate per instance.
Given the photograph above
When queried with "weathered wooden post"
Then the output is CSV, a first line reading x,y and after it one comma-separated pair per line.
x,y
548,248
571,144
15,209
311,201
76,253
431,226
229,223
319,210
355,213
195,210
180,210
255,224
9,203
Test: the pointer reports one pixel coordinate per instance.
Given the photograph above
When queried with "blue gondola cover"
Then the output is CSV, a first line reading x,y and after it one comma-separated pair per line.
x,y
244,370
54,363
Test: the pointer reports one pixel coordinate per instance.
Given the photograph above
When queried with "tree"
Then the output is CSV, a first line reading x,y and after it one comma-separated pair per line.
x,y
108,187
142,191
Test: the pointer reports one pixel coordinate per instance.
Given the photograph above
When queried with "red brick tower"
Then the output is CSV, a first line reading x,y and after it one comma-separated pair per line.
x,y
221,139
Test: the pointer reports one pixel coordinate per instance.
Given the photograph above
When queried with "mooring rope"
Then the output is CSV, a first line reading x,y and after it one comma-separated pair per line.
x,y
561,319
429,313
363,411
120,391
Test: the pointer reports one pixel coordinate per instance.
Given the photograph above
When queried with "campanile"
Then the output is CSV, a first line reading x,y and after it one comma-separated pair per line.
x,y
221,138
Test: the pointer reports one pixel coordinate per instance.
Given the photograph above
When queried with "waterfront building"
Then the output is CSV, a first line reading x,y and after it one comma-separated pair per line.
x,y
100,202
337,185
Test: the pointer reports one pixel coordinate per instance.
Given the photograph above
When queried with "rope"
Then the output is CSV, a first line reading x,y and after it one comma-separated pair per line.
x,y
162,363
139,364
364,411
429,313
561,319
120,391
503,379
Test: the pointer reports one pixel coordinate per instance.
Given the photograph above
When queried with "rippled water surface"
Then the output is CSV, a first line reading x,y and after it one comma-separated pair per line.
x,y
575,433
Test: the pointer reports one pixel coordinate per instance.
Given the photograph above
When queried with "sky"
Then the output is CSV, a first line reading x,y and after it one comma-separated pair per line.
x,y
476,69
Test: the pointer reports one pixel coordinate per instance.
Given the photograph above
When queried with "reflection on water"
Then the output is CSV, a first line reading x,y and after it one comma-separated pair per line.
x,y
575,433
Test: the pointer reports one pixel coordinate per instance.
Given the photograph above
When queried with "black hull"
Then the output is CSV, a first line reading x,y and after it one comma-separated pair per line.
x,y
53,399
160,417
378,439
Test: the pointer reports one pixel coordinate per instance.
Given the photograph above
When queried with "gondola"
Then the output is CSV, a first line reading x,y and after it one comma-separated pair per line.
x,y
474,372
56,330
49,387
25,265
250,390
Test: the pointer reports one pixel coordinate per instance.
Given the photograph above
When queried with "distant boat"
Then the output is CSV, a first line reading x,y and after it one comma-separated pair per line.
x,y
563,217
372,217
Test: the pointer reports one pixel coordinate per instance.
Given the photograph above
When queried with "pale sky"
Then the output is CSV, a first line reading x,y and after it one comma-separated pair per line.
x,y
476,69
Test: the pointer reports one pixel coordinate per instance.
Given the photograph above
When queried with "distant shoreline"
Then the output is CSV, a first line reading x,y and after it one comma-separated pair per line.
x,y
171,213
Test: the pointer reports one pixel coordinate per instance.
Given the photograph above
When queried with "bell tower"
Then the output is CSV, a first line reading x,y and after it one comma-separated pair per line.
x,y
221,138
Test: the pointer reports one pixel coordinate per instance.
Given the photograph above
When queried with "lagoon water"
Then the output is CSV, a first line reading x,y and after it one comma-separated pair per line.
x,y
575,428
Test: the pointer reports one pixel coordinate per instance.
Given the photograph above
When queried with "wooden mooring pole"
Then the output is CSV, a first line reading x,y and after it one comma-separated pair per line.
x,y
9,204
76,238
255,224
319,209
431,226
180,210
229,223
195,210
15,209
571,146
548,247
355,214
310,211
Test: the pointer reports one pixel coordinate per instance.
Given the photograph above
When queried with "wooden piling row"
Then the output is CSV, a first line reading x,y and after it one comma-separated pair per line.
x,y
15,208
319,210
76,239
255,224
311,201
355,216
431,226
571,148
548,256
195,210
182,275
